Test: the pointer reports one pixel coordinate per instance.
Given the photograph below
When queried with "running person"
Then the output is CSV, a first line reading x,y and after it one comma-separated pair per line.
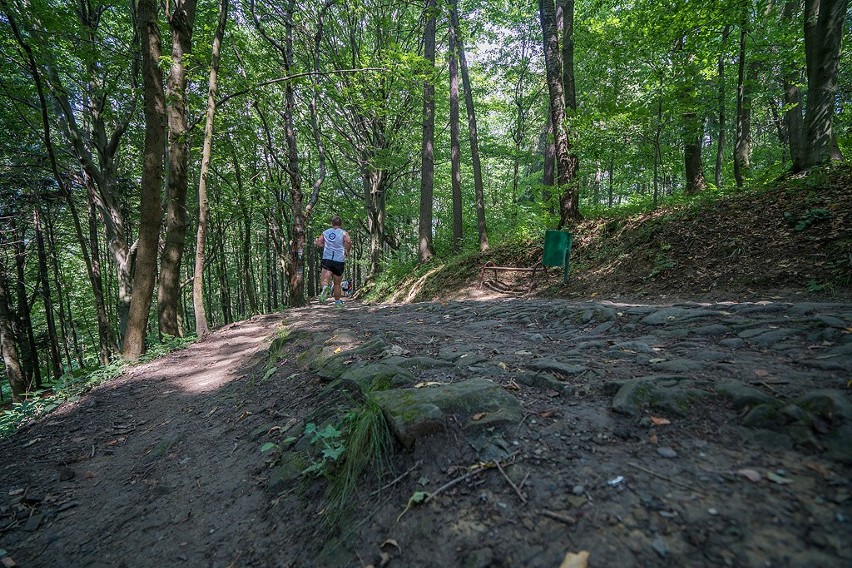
x,y
335,243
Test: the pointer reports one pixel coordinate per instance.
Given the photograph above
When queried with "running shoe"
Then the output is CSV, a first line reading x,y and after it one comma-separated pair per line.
x,y
323,294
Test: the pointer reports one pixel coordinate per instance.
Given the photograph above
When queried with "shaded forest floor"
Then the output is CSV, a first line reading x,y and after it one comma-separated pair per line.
x,y
791,240
696,414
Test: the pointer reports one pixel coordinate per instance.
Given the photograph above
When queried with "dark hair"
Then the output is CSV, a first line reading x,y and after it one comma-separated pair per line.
x,y
336,221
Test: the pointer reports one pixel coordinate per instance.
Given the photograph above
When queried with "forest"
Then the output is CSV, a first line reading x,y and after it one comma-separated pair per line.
x,y
166,166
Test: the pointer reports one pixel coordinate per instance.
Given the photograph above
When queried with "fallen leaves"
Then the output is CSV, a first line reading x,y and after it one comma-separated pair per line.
x,y
417,498
777,478
750,474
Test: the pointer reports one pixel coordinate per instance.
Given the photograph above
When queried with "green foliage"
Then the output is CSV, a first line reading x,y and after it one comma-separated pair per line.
x,y
329,440
807,219
367,446
73,384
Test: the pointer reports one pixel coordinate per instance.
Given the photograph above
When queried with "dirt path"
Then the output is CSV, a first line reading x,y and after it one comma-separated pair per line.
x,y
162,467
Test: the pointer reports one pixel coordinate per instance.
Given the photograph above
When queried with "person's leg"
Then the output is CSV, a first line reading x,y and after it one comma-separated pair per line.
x,y
337,289
324,276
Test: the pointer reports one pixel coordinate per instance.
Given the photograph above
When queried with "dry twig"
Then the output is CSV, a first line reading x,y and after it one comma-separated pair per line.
x,y
512,483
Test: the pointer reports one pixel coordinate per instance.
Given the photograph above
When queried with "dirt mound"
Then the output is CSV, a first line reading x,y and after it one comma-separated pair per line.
x,y
645,435
793,241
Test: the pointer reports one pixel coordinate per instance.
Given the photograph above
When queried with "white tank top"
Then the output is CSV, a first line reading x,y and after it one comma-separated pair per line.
x,y
333,249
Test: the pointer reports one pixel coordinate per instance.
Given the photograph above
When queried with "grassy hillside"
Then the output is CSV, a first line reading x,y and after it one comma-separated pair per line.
x,y
792,238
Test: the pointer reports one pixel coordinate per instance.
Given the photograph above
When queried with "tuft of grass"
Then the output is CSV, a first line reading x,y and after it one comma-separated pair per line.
x,y
367,445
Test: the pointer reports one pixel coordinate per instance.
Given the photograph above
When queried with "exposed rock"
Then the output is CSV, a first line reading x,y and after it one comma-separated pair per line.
x,y
743,396
632,395
676,400
828,404
415,412
419,363
543,381
763,416
557,367
377,376
676,314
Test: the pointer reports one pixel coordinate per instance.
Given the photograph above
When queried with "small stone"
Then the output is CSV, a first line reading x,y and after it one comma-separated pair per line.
x,y
660,546
578,490
667,452
712,511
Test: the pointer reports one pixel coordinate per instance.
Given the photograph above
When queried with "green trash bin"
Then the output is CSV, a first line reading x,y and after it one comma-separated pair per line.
x,y
557,249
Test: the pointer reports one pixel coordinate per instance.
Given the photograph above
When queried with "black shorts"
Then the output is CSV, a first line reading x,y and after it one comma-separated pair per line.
x,y
333,266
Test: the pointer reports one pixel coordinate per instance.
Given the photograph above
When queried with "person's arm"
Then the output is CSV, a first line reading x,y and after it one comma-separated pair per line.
x,y
320,241
347,243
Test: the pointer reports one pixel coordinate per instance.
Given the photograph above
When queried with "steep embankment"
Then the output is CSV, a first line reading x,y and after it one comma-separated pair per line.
x,y
793,240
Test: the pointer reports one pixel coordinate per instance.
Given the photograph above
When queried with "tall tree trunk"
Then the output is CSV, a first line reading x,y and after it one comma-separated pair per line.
x,y
455,151
64,321
657,152
44,279
794,123
375,199
742,144
695,181
566,163
479,190
8,342
792,76
107,346
152,181
823,35
565,9
720,139
29,353
181,21
548,176
201,327
427,169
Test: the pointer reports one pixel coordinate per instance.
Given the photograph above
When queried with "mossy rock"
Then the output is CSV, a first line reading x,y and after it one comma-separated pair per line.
x,y
830,404
377,376
543,381
412,412
675,400
765,416
632,395
288,471
743,396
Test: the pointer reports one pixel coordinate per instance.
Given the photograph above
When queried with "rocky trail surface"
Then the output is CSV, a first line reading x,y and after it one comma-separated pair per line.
x,y
523,432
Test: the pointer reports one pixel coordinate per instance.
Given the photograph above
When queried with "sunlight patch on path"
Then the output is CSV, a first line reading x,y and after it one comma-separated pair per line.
x,y
215,361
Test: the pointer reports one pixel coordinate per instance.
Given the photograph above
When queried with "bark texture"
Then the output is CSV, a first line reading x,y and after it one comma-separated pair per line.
x,y
479,190
823,35
8,342
201,326
455,150
152,180
427,168
181,21
566,163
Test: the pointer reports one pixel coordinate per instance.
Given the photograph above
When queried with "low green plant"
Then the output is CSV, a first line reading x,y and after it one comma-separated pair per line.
x,y
807,219
360,441
75,383
331,446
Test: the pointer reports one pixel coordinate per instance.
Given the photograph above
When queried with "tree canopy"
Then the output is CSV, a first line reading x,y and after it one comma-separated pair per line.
x,y
304,110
